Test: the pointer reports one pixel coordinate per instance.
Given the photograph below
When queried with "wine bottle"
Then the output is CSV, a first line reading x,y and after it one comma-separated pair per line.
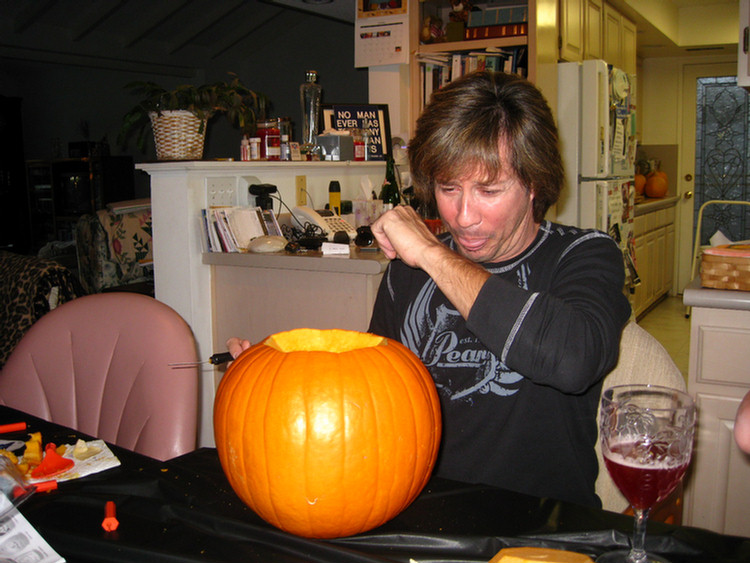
x,y
390,193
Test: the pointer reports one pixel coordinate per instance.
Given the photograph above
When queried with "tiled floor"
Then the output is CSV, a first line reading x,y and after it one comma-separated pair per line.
x,y
667,323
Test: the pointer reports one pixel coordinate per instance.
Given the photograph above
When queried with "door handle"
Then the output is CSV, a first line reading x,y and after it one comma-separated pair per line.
x,y
688,195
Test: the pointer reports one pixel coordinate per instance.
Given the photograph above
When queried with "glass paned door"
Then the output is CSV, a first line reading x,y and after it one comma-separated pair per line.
x,y
722,149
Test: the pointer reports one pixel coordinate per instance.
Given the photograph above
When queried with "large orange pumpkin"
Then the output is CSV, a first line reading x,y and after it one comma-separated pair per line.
x,y
327,433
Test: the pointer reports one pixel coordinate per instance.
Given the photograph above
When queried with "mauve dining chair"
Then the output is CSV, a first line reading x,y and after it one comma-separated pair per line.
x,y
100,364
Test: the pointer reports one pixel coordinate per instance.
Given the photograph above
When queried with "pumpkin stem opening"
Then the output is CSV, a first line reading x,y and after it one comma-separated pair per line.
x,y
314,340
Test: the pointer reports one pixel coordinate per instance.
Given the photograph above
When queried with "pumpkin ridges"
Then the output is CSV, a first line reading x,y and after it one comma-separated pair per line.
x,y
268,441
389,475
408,358
366,469
377,425
250,391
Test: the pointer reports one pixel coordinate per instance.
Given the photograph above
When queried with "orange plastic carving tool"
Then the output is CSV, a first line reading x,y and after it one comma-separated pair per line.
x,y
110,522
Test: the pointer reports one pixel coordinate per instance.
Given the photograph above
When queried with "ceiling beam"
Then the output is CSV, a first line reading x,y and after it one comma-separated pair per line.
x,y
93,16
218,13
30,13
161,12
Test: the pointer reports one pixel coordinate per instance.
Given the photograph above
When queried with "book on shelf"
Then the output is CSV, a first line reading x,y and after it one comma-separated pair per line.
x,y
514,12
434,75
496,31
230,229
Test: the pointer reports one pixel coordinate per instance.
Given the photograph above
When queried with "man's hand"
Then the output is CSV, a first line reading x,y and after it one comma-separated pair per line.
x,y
237,345
401,233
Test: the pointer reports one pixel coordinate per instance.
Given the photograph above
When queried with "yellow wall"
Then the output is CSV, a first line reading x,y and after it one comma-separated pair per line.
x,y
660,97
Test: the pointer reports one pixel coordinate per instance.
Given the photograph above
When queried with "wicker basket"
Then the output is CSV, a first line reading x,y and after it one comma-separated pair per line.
x,y
726,267
178,135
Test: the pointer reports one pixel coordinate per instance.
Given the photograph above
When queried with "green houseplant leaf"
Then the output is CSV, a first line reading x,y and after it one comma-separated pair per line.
x,y
241,106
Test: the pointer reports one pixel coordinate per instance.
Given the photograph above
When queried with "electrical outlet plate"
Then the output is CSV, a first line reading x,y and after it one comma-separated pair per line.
x,y
301,190
221,192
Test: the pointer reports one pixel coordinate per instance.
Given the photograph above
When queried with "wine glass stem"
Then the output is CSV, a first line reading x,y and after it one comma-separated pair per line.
x,y
638,549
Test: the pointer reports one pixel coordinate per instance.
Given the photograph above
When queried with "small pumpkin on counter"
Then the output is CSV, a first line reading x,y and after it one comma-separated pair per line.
x,y
657,184
640,183
327,433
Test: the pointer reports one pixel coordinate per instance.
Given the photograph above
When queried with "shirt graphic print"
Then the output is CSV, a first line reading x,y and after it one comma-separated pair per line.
x,y
451,353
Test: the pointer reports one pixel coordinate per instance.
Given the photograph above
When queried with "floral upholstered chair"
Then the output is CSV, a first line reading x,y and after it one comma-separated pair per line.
x,y
114,248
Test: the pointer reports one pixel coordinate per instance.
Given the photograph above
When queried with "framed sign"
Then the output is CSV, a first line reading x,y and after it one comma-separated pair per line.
x,y
372,118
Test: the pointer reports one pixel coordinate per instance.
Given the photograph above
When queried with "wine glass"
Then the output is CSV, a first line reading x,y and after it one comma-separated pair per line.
x,y
646,433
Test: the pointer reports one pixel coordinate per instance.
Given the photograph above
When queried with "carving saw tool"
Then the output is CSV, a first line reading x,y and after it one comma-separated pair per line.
x,y
214,360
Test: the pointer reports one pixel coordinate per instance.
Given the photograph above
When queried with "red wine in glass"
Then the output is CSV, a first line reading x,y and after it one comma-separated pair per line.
x,y
642,485
646,434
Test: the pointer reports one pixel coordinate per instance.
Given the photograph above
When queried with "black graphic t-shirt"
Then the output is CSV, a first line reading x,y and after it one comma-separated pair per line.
x,y
519,381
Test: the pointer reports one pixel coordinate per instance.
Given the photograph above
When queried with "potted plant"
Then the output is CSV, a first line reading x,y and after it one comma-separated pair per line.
x,y
178,117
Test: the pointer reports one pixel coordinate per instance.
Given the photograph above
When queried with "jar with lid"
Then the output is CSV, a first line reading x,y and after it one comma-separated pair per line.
x,y
254,148
270,140
359,144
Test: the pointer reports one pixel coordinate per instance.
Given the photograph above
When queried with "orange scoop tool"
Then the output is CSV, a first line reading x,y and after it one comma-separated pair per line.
x,y
52,464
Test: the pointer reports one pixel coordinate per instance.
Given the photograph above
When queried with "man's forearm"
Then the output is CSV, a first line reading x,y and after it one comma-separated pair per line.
x,y
458,278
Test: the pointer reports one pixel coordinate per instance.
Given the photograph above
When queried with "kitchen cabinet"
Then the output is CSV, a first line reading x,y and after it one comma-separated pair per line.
x,y
593,29
619,47
581,29
654,233
572,30
718,483
593,25
628,46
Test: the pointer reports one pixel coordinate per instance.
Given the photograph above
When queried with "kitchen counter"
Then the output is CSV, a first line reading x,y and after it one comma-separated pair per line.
x,y
357,262
716,493
650,205
696,296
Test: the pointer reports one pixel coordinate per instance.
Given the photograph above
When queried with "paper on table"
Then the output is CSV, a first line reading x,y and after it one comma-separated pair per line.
x,y
19,541
101,461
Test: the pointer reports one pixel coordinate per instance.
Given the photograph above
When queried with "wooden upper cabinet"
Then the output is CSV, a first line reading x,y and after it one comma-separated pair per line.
x,y
628,46
572,36
612,36
593,29
593,35
619,40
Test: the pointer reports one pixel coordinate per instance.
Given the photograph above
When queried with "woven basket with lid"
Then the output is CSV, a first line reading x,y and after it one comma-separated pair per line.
x,y
726,267
178,135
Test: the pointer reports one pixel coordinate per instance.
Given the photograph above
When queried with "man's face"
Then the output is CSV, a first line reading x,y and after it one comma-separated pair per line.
x,y
491,221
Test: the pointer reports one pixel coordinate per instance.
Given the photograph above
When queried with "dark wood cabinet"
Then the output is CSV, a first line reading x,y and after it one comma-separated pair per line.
x,y
14,212
60,191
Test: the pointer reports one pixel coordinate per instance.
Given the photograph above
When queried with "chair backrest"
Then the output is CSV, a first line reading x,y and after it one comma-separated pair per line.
x,y
99,364
642,360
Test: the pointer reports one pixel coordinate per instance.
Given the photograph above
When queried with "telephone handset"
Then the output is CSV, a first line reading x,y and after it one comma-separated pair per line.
x,y
326,220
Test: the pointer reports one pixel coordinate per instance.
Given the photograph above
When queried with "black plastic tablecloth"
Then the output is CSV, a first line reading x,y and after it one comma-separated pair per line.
x,y
184,510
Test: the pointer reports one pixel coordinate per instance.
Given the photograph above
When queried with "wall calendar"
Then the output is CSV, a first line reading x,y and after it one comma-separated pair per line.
x,y
381,34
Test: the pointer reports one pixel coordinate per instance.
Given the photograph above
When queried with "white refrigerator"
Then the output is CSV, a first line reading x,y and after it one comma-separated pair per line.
x,y
596,122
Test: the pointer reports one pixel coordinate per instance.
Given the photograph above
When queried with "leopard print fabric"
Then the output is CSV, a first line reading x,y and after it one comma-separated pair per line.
x,y
29,288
